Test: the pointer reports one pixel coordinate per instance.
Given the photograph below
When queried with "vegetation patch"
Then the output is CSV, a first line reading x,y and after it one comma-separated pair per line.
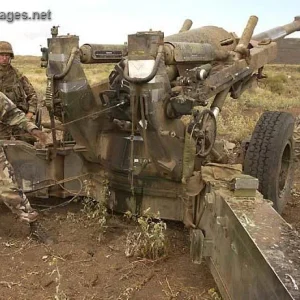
x,y
148,240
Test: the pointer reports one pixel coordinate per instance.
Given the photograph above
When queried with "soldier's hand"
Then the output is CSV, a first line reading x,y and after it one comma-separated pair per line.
x,y
41,136
29,116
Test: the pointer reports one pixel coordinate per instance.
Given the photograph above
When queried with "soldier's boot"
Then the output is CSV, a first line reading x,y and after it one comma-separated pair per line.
x,y
38,233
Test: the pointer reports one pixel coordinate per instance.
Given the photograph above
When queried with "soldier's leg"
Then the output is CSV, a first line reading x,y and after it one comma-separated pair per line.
x,y
11,195
17,201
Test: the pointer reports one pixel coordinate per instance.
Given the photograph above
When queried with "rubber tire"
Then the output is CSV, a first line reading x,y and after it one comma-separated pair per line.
x,y
270,149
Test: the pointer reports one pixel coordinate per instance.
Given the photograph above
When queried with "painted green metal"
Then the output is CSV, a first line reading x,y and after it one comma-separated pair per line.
x,y
251,251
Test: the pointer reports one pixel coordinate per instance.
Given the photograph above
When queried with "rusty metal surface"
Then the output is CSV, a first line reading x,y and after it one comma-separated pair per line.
x,y
74,100
186,25
277,240
279,32
251,257
248,31
207,34
193,52
102,53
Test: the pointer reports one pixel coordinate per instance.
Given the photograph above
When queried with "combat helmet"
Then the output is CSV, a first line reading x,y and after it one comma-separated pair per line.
x,y
6,48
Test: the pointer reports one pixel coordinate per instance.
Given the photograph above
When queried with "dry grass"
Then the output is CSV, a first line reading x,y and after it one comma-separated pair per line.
x,y
30,66
280,91
233,124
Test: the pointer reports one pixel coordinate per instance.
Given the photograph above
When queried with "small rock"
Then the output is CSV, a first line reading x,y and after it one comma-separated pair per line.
x,y
229,146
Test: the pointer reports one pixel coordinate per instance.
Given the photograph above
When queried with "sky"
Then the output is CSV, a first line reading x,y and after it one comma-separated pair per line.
x,y
110,21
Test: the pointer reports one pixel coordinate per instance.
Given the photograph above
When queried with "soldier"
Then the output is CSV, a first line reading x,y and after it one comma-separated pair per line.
x,y
10,194
16,87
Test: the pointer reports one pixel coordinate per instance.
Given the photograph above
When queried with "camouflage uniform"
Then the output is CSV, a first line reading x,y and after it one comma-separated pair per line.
x,y
18,89
10,194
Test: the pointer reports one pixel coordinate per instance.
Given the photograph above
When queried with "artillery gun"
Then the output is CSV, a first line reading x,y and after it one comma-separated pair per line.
x,y
129,129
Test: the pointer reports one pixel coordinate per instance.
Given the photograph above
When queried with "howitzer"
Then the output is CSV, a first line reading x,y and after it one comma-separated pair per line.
x,y
130,127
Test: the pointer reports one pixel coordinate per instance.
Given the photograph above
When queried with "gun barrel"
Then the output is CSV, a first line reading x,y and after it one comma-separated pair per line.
x,y
248,31
186,25
102,53
279,32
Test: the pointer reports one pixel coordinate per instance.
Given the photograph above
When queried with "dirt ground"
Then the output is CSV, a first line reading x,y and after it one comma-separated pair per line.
x,y
83,264
79,266
292,211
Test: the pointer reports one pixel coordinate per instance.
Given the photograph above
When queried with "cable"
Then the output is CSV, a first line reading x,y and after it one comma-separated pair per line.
x,y
66,202
94,114
59,182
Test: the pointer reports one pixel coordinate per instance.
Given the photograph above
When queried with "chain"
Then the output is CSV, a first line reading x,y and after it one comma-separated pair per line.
x,y
58,182
7,137
63,121
132,143
68,201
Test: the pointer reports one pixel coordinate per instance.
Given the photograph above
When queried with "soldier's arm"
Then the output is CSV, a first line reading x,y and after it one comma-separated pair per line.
x,y
31,96
11,115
